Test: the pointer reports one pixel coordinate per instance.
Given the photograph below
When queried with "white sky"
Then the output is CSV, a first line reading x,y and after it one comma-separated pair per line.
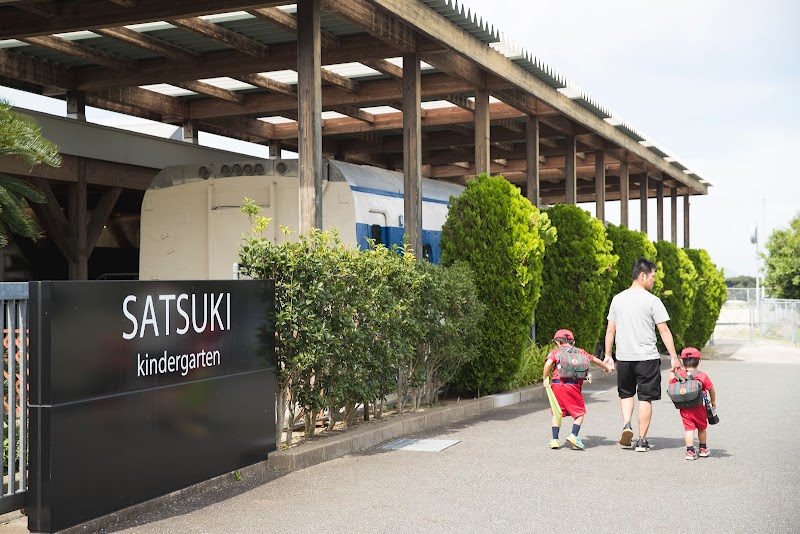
x,y
716,82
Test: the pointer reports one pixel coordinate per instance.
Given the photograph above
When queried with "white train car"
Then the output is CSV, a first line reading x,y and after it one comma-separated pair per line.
x,y
192,225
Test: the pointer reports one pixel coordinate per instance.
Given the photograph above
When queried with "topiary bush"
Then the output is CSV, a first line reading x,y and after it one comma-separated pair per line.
x,y
577,276
630,245
501,236
679,290
710,295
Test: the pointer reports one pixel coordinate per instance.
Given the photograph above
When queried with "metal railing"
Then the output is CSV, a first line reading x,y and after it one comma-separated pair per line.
x,y
751,313
14,468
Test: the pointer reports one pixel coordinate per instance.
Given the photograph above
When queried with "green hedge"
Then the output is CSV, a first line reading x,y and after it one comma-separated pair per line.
x,y
577,276
501,236
711,294
630,245
679,290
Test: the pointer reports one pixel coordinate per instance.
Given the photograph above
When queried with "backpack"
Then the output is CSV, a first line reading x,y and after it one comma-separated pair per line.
x,y
573,364
686,392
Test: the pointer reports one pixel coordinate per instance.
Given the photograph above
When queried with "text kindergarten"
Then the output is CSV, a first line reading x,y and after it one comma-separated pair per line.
x,y
161,315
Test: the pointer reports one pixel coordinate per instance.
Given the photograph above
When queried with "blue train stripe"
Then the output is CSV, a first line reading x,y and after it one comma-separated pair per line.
x,y
394,195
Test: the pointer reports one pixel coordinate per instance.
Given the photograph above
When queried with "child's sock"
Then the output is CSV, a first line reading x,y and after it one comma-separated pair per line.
x,y
703,446
555,432
576,429
690,448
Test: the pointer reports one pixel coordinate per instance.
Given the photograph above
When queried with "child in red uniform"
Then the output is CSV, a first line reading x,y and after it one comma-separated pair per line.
x,y
695,418
567,392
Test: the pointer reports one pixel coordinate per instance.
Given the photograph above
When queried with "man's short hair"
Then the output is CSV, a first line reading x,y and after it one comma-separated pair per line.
x,y
642,266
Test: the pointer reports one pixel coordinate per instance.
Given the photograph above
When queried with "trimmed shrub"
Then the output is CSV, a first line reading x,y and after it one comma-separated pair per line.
x,y
577,276
501,236
630,245
678,294
711,294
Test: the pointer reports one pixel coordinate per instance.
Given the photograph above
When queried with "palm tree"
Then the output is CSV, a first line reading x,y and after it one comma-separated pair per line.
x,y
21,136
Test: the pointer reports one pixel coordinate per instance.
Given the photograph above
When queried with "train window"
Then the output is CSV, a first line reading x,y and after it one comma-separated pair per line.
x,y
376,233
426,252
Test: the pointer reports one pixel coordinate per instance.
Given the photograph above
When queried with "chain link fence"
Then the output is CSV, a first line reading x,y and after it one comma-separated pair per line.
x,y
753,314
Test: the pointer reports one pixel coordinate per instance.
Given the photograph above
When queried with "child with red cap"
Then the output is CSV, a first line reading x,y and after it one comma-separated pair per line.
x,y
695,418
566,388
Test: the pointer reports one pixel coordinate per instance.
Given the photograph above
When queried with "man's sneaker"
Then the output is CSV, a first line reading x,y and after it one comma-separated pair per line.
x,y
642,445
576,442
554,444
691,455
704,453
627,436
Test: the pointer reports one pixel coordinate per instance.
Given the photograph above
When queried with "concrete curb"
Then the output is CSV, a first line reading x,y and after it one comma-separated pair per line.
x,y
325,449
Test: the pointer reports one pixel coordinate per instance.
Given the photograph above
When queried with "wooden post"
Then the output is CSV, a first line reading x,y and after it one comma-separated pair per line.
x,y
309,111
78,219
643,197
686,220
660,210
76,105
532,157
570,179
482,133
412,152
275,148
190,133
674,213
600,184
624,193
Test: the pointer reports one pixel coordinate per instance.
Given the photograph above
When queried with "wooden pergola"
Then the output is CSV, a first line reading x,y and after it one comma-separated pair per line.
x,y
443,97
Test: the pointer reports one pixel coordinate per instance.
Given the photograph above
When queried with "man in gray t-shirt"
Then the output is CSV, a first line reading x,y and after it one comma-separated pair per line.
x,y
633,318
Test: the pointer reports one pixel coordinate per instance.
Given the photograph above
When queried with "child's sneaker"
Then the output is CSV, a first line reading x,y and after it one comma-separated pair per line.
x,y
554,444
576,442
704,453
691,455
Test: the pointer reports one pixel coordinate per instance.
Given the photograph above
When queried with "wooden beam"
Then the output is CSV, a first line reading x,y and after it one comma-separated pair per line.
x,y
532,159
456,66
385,67
100,216
643,195
461,101
288,22
437,28
20,67
624,193
105,173
222,35
87,53
258,80
43,8
252,127
482,131
504,145
674,213
375,22
600,185
211,90
659,210
147,42
143,99
309,102
354,112
75,15
412,155
340,81
463,129
54,222
126,3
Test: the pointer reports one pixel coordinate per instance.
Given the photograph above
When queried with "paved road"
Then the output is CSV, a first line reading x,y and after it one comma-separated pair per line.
x,y
502,478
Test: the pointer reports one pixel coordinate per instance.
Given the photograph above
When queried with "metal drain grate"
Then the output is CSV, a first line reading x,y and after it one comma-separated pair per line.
x,y
420,445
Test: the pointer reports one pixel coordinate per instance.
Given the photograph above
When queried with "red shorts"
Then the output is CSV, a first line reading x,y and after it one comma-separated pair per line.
x,y
570,399
694,418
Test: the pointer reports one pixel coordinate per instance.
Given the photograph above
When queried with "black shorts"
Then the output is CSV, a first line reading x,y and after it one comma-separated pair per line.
x,y
642,377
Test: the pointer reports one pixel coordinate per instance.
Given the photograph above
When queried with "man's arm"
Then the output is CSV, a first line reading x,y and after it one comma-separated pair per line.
x,y
611,330
666,337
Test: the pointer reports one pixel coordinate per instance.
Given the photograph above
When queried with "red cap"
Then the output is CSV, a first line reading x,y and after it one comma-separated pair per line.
x,y
690,352
564,334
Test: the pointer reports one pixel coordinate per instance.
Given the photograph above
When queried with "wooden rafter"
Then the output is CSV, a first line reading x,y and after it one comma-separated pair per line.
x,y
246,125
385,67
510,124
461,101
147,42
288,22
508,147
126,3
144,99
100,216
54,222
81,51
398,105
340,81
43,8
222,35
463,129
212,90
354,112
20,67
375,22
258,80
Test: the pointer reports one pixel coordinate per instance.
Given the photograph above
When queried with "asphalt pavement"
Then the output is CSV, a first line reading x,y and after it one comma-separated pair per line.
x,y
501,477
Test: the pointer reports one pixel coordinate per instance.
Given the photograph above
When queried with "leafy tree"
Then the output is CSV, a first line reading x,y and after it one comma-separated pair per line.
x,y
21,136
630,245
711,294
679,290
502,237
741,281
577,276
783,261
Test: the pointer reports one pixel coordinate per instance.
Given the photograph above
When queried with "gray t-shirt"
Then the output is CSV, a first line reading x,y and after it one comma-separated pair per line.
x,y
636,313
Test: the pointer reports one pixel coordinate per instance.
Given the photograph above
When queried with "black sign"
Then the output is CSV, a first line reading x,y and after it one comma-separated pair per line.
x,y
142,388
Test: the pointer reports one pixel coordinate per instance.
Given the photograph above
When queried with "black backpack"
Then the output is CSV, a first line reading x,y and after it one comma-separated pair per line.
x,y
686,392
573,364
